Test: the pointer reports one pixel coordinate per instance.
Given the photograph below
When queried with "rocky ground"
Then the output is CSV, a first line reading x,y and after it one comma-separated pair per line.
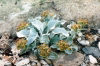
x,y
12,12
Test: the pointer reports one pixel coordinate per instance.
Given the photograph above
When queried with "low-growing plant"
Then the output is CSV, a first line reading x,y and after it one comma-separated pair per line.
x,y
45,34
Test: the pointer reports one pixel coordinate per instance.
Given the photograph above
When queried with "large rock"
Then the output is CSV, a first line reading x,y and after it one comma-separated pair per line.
x,y
13,12
92,51
69,60
74,9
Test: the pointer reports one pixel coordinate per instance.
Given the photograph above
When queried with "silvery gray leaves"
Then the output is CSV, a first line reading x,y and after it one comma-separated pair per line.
x,y
49,31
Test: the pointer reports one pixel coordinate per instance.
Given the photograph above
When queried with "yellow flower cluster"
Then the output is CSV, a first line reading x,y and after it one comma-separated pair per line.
x,y
21,43
76,26
46,13
63,45
82,21
80,24
44,50
22,25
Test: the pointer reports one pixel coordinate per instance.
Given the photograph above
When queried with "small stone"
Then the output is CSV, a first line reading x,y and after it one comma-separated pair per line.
x,y
22,62
5,63
2,62
8,64
95,37
84,42
83,64
45,65
92,51
79,39
43,62
4,41
93,64
11,59
80,34
14,50
99,45
33,64
36,61
32,57
38,64
1,55
93,60
28,65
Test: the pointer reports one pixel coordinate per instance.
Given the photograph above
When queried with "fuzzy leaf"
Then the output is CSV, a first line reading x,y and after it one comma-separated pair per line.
x,y
38,25
62,37
54,46
68,51
70,39
44,39
73,33
32,36
33,20
35,52
74,48
51,35
54,39
61,31
33,45
23,33
53,55
52,24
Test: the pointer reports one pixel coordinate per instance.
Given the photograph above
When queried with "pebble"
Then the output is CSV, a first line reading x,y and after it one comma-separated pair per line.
x,y
83,64
32,57
80,34
8,64
22,62
45,65
36,61
1,56
95,37
33,64
79,39
92,51
84,42
28,65
14,50
2,62
92,59
43,62
99,31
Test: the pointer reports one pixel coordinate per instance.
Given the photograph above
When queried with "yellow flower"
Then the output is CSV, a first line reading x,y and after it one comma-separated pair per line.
x,y
21,43
22,25
47,13
44,50
63,45
82,21
76,26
